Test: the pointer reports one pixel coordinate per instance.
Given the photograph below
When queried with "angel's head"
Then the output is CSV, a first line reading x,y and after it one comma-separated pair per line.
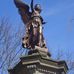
x,y
38,8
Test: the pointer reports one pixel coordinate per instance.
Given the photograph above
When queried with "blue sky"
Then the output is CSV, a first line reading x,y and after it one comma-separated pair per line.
x,y
59,15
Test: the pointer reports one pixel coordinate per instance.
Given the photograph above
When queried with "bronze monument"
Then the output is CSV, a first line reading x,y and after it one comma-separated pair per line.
x,y
38,60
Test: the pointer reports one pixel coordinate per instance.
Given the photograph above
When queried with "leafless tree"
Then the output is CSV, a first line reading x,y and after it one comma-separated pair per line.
x,y
68,57
10,44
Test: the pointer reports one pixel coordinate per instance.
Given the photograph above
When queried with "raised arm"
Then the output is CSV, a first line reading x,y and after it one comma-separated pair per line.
x,y
32,5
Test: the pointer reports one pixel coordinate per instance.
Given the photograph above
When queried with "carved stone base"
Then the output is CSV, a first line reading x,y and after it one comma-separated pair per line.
x,y
39,63
36,64
38,50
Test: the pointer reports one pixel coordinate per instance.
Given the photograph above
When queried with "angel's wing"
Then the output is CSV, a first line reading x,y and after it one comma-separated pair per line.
x,y
23,10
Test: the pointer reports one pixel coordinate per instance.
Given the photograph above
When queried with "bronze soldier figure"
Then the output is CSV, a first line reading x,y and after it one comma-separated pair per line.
x,y
33,21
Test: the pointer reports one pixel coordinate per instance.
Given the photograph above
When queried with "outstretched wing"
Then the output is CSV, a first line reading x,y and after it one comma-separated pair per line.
x,y
23,10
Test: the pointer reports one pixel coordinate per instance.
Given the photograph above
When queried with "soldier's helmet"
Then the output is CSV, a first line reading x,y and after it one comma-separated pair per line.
x,y
38,7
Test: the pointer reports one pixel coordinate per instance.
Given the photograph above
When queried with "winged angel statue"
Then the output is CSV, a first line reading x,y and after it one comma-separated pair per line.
x,y
34,22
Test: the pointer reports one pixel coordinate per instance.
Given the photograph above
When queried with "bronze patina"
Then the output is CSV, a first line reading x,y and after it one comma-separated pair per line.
x,y
34,24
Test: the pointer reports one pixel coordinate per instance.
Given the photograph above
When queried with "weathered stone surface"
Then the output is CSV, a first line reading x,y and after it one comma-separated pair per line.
x,y
38,64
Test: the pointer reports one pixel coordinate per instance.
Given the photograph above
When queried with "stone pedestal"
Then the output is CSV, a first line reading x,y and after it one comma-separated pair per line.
x,y
39,63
